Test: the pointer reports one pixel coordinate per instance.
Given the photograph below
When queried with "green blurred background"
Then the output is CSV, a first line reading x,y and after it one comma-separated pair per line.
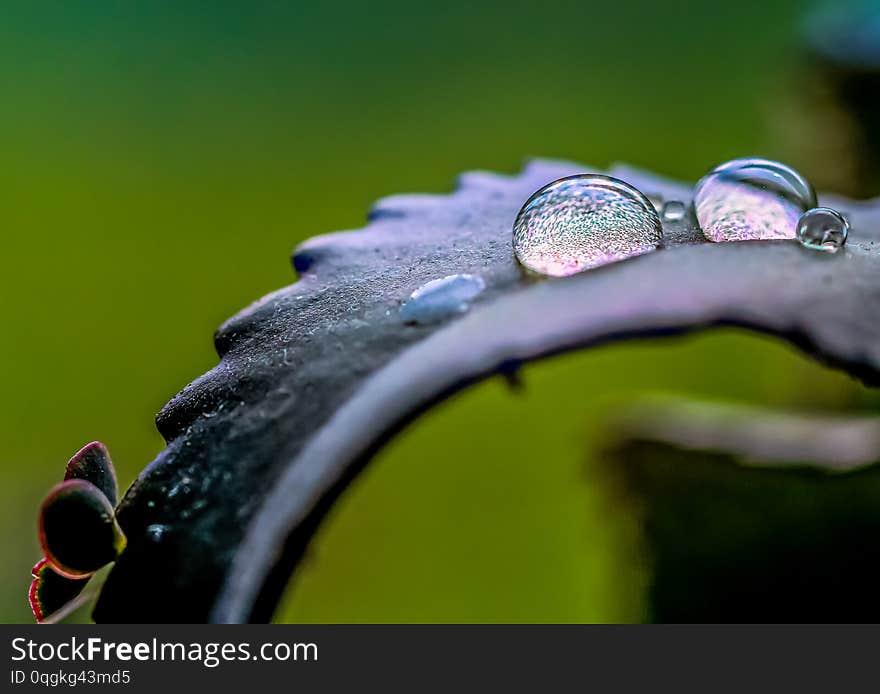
x,y
161,159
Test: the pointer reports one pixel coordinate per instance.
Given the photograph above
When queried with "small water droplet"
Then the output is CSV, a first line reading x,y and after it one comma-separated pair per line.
x,y
182,487
441,298
674,211
156,531
752,199
582,222
823,229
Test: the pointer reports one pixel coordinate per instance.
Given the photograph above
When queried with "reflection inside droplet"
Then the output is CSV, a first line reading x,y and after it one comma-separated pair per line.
x,y
752,199
582,222
441,298
823,229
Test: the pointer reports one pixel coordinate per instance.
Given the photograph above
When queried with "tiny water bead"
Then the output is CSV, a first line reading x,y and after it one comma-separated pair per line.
x,y
438,299
674,211
823,229
156,532
752,199
583,222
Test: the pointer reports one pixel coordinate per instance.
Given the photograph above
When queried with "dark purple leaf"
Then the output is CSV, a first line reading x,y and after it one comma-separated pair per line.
x,y
78,530
314,378
50,591
92,463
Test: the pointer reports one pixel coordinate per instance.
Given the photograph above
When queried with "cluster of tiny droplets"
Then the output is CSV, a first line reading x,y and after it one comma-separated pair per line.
x,y
738,211
581,223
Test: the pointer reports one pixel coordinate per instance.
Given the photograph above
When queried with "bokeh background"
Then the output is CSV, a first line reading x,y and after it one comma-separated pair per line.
x,y
161,159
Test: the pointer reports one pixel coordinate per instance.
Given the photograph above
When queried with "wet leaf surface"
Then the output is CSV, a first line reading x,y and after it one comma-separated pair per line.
x,y
315,377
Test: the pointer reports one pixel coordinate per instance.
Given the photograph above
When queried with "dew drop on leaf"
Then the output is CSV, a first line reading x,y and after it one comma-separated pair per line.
x,y
441,298
582,222
822,229
156,532
750,200
674,211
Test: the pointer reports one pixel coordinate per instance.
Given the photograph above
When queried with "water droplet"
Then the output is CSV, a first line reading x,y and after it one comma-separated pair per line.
x,y
582,222
752,199
674,211
822,229
441,298
182,487
156,531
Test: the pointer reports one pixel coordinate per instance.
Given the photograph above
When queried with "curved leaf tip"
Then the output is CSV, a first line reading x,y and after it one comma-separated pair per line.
x,y
92,463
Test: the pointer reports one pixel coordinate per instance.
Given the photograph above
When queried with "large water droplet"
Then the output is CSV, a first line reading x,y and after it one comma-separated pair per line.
x,y
582,222
822,229
752,199
441,298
